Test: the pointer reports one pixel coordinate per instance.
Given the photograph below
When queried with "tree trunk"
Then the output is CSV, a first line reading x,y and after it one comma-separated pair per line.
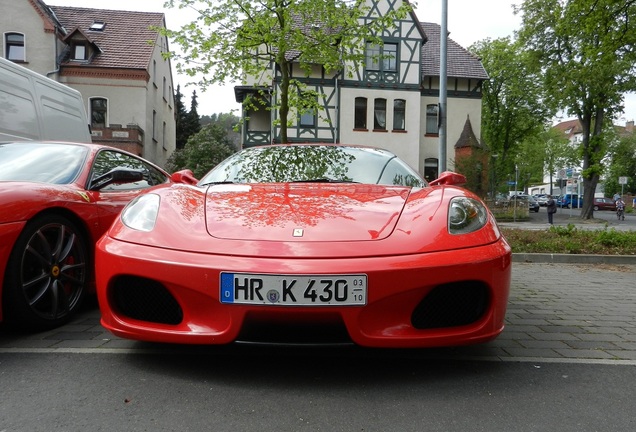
x,y
591,157
284,100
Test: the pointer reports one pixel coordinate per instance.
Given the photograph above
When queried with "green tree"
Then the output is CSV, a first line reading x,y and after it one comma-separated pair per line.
x,y
202,152
234,39
193,122
513,107
181,119
585,49
558,153
229,122
622,163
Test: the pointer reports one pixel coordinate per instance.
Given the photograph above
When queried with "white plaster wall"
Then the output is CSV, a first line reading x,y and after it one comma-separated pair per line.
x,y
404,144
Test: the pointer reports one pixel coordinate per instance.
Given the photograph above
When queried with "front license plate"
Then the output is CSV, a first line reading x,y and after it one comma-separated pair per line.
x,y
305,290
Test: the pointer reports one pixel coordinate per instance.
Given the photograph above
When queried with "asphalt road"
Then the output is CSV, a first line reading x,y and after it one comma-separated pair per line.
x,y
292,390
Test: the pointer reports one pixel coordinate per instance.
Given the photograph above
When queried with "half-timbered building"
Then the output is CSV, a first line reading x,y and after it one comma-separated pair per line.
x,y
391,101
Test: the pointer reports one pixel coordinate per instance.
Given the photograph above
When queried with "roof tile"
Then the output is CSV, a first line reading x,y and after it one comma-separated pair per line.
x,y
126,41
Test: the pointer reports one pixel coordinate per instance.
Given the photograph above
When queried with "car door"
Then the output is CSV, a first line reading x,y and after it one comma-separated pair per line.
x,y
111,199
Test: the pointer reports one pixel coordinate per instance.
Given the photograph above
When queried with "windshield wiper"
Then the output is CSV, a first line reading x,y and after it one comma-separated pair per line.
x,y
217,183
323,180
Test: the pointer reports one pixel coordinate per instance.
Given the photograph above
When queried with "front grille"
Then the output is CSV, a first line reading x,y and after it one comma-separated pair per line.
x,y
452,305
145,300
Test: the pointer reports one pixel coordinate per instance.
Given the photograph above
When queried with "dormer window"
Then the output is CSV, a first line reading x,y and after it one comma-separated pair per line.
x,y
80,52
97,26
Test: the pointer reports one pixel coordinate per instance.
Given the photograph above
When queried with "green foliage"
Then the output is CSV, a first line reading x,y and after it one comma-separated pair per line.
x,y
622,164
202,152
513,105
584,49
180,118
571,240
234,39
474,168
228,122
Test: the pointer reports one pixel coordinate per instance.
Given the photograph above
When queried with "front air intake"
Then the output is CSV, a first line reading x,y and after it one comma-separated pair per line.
x,y
452,305
145,300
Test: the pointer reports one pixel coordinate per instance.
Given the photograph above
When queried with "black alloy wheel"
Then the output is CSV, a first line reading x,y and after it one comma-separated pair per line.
x,y
47,274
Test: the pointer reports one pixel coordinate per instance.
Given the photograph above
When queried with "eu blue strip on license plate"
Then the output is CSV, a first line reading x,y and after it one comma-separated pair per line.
x,y
304,290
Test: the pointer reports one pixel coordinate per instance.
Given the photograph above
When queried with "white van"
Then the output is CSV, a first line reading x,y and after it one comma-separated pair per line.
x,y
34,107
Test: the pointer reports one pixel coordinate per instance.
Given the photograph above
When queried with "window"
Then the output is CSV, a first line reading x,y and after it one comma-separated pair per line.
x,y
79,52
399,114
14,46
379,114
432,126
308,115
382,57
360,113
97,26
163,135
99,112
154,73
430,169
107,160
308,118
154,125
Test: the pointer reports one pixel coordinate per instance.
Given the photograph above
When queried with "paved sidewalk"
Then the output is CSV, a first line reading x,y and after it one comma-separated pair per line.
x,y
556,313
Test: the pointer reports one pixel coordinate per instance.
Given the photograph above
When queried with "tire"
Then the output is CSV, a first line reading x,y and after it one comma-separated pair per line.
x,y
595,208
47,274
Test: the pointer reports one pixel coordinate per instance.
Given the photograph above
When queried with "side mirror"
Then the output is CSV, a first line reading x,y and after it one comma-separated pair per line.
x,y
449,178
184,176
117,175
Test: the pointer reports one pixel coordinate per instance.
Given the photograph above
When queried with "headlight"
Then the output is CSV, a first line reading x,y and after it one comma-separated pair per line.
x,y
466,215
141,213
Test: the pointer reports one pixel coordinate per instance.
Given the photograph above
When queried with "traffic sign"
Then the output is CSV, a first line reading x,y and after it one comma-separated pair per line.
x,y
622,180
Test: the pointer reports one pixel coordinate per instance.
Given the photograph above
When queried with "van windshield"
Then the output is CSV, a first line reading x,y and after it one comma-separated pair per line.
x,y
41,162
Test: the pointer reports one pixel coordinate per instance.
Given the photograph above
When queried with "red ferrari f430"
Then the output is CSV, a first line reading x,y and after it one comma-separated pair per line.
x,y
317,243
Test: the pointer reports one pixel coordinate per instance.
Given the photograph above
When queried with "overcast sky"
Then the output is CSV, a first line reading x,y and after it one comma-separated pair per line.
x,y
468,21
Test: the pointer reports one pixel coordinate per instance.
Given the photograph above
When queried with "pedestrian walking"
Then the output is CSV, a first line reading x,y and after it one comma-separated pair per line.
x,y
552,208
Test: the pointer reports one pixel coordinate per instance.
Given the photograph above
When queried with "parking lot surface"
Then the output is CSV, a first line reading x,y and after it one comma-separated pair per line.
x,y
557,313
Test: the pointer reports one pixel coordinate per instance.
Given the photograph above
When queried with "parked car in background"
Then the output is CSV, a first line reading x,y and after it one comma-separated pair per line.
x,y
525,200
569,200
533,204
542,199
57,199
604,204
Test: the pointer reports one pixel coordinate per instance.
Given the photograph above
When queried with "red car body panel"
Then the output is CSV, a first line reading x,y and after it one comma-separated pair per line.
x,y
93,211
397,236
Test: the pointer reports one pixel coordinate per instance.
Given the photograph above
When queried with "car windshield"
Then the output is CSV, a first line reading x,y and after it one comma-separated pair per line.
x,y
41,162
314,163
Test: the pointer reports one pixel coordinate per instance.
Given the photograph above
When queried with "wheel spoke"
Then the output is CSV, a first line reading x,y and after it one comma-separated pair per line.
x,y
69,271
59,247
44,260
44,281
69,247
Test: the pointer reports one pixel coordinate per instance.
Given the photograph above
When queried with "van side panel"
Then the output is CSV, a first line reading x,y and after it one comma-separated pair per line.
x,y
63,116
34,107
18,113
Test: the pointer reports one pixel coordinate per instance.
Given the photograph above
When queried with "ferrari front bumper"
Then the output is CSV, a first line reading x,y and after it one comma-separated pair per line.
x,y
160,295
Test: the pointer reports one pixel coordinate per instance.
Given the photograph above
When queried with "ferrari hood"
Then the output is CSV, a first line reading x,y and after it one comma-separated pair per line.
x,y
310,212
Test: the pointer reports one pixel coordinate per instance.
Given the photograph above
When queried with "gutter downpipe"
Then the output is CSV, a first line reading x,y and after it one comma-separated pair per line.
x,y
443,55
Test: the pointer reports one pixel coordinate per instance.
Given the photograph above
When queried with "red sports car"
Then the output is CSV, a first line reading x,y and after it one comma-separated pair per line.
x,y
315,243
56,200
